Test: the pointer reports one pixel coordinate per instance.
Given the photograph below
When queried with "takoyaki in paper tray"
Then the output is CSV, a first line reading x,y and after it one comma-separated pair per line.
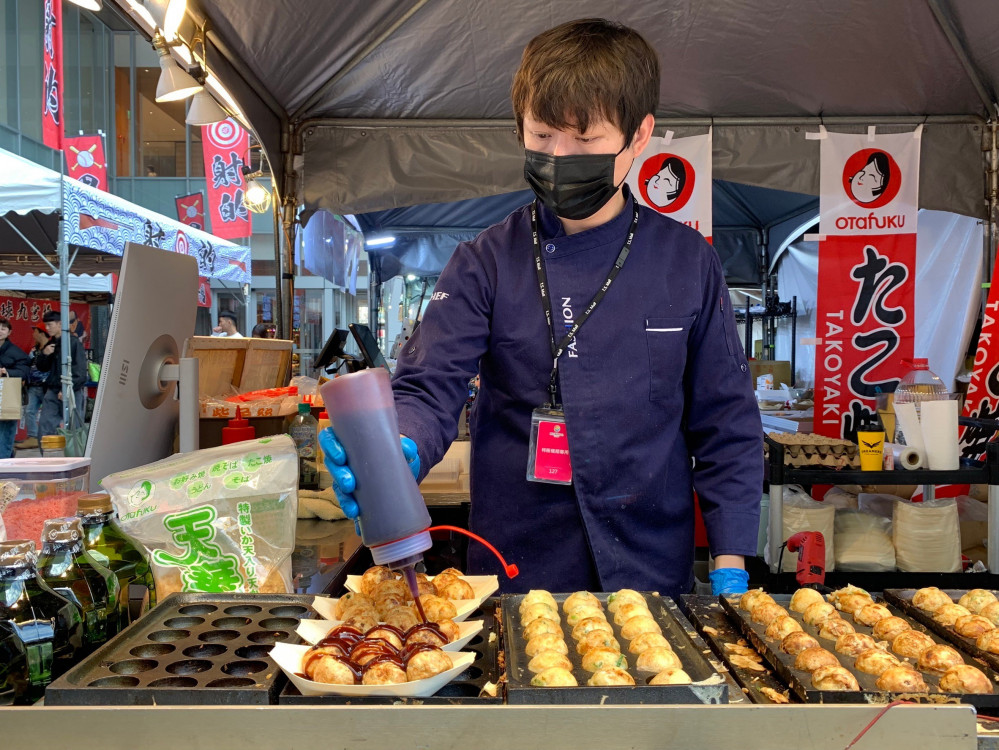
x,y
289,658
313,631
482,586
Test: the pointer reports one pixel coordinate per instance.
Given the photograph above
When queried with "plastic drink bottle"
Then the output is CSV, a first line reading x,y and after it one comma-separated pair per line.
x,y
116,551
918,385
67,567
304,431
40,631
393,519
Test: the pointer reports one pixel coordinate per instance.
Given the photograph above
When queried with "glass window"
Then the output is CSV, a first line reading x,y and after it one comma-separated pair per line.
x,y
123,103
307,327
161,148
29,47
197,152
93,82
8,63
71,95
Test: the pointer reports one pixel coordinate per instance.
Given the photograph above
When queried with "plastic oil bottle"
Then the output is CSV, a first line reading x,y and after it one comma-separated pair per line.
x,y
115,550
40,631
67,567
304,430
918,385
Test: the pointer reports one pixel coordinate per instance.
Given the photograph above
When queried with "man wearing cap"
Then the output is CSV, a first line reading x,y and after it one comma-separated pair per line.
x,y
50,362
227,326
35,388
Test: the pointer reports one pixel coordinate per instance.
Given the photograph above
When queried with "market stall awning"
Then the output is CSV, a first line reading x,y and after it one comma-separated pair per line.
x,y
98,225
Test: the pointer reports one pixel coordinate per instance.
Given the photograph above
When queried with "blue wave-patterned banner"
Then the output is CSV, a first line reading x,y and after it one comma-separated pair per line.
x,y
105,222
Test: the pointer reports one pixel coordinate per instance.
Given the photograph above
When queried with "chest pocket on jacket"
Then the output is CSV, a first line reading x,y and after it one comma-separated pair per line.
x,y
667,341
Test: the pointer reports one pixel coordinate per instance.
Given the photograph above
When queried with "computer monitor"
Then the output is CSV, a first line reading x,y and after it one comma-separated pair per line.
x,y
136,411
332,350
370,352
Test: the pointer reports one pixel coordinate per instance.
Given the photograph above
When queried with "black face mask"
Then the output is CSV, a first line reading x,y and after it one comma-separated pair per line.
x,y
574,187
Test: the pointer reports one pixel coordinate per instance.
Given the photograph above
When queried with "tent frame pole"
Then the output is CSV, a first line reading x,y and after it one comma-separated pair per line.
x,y
68,400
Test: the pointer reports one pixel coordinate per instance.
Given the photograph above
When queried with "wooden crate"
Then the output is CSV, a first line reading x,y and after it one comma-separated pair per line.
x,y
227,366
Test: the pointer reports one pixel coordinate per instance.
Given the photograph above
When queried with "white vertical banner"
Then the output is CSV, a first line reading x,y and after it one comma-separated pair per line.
x,y
673,176
869,183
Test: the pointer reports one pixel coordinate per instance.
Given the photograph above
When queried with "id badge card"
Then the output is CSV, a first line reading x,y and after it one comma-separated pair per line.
x,y
548,452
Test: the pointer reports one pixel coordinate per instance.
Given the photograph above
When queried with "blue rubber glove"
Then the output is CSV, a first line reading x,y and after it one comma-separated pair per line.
x,y
728,581
344,481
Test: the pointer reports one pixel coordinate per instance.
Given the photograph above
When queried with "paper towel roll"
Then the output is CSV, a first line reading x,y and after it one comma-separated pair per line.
x,y
908,420
938,420
904,456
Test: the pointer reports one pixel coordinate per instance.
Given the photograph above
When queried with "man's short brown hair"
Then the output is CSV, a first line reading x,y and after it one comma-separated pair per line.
x,y
5,322
584,70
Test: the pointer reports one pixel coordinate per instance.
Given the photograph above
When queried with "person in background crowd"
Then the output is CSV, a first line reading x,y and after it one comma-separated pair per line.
x,y
151,171
50,362
262,331
227,325
13,364
35,384
77,329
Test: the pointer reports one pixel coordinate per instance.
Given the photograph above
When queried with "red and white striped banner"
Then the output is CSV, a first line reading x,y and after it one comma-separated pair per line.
x,y
226,146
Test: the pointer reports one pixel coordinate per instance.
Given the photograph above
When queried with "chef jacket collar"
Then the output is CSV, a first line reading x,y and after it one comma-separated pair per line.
x,y
611,233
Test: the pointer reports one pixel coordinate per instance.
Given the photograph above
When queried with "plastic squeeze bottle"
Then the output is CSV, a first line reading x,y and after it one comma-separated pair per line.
x,y
304,432
393,518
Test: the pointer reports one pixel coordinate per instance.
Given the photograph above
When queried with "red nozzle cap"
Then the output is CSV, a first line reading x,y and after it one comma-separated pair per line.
x,y
324,414
511,569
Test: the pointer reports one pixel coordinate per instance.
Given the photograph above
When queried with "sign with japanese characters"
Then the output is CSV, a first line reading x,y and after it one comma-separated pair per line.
x,y
225,146
865,324
982,399
24,314
52,82
85,160
673,177
191,209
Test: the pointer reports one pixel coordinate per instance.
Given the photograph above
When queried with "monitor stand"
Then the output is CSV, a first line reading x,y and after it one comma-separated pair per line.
x,y
185,375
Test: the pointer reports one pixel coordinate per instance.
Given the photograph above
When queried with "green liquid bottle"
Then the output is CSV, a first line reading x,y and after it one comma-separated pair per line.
x,y
40,631
115,550
67,567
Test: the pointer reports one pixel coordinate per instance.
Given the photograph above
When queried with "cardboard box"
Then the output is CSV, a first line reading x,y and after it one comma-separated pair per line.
x,y
779,368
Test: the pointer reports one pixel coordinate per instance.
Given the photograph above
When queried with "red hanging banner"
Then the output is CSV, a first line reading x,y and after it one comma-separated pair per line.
x,y
85,160
52,125
204,292
982,399
24,314
226,145
191,209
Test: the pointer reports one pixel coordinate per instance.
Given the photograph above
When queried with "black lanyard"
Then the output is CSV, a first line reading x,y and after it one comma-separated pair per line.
x,y
539,266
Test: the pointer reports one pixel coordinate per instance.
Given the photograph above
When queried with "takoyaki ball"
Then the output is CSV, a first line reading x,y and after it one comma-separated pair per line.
x,y
628,610
373,576
424,664
795,643
437,608
589,624
834,678
391,587
853,644
671,677
540,626
991,613
580,613
610,676
803,598
425,588
850,599
767,612
888,628
812,658
451,572
367,651
875,661
402,617
782,626
832,628
972,626
930,599
449,628
989,641
421,577
386,634
348,600
901,679
601,658
362,620
753,597
581,597
427,636
656,660
871,614
947,614
385,604
911,643
330,670
358,608
623,596
456,589
816,613
540,609
597,639
554,677
938,658
638,625
644,641
442,581
538,595
383,673
966,679
546,642
546,660
976,600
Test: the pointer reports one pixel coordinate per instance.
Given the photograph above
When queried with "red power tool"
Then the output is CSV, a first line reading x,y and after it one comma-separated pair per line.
x,y
811,549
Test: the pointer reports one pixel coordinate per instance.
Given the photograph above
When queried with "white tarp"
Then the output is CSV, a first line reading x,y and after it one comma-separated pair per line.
x,y
48,282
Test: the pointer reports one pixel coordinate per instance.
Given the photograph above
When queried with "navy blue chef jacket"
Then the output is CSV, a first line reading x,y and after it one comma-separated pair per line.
x,y
657,378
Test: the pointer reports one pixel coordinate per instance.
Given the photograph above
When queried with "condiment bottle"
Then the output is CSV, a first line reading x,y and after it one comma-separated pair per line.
x,y
238,429
40,631
53,446
303,431
115,550
67,567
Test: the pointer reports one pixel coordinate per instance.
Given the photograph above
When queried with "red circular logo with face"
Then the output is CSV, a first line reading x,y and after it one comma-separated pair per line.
x,y
871,178
666,182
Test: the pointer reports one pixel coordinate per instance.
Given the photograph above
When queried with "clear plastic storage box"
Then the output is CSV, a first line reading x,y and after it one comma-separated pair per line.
x,y
49,488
